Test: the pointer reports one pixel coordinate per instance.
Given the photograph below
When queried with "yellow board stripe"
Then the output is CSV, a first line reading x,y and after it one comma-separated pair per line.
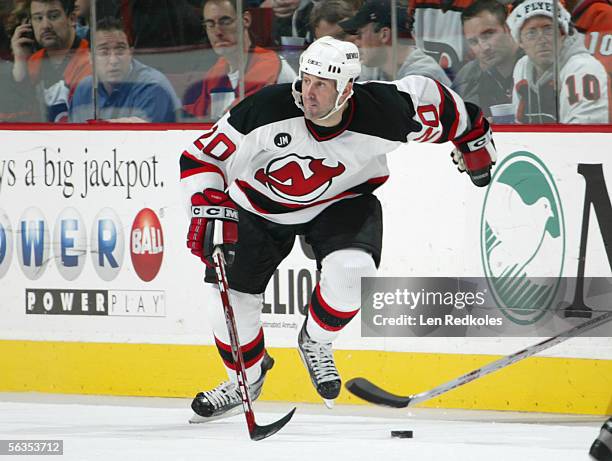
x,y
557,385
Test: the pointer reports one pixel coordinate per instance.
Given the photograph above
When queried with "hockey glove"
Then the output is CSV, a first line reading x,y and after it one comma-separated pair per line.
x,y
475,152
207,207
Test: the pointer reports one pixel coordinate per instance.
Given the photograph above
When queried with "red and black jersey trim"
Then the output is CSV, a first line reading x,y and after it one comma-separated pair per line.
x,y
191,165
251,352
266,205
326,316
449,115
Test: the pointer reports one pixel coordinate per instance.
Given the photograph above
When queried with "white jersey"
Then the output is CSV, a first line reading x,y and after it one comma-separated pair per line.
x,y
583,89
278,165
438,31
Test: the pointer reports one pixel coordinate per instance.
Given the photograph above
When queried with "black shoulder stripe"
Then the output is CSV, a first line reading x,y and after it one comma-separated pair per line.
x,y
271,104
383,111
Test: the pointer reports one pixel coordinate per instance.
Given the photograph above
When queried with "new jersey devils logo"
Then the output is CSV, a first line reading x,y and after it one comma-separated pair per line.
x,y
299,179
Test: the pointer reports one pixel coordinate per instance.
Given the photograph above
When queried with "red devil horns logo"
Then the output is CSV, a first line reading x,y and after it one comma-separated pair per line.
x,y
299,179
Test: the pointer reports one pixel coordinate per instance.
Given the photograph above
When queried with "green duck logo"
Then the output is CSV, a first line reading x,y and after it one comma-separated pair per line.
x,y
522,238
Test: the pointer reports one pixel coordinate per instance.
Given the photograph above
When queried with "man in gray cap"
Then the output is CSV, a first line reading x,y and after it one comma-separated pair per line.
x,y
583,82
372,25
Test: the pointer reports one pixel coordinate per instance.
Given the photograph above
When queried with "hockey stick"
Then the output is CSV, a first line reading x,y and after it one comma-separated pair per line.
x,y
255,431
370,392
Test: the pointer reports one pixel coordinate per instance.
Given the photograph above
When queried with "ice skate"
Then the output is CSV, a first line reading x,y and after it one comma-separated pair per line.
x,y
319,360
225,399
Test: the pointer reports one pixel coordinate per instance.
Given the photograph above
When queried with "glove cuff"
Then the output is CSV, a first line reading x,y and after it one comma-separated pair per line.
x,y
482,177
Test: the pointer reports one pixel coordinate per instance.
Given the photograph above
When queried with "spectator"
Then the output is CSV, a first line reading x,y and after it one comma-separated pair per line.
x,y
127,89
326,15
212,96
17,103
291,31
593,18
291,20
60,64
583,83
372,24
487,80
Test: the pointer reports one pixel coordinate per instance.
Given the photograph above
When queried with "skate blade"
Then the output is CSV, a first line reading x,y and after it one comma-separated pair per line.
x,y
197,419
329,403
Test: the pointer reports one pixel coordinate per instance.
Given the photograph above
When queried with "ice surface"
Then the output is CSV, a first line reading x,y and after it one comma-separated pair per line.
x,y
133,428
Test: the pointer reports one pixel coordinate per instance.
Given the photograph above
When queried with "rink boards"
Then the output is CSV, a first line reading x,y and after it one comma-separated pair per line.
x,y
99,294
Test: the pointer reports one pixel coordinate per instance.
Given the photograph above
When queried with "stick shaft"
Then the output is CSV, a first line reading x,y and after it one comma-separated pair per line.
x,y
510,359
230,321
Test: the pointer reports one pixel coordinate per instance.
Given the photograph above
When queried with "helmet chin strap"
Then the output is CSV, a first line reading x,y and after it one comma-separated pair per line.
x,y
337,106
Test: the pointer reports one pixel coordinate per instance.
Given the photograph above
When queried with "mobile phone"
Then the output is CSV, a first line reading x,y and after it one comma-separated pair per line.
x,y
30,33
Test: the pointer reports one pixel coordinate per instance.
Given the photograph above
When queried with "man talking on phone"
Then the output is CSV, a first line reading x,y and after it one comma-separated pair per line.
x,y
62,60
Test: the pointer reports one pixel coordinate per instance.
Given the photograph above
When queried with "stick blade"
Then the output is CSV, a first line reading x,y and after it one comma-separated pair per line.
x,y
370,392
261,432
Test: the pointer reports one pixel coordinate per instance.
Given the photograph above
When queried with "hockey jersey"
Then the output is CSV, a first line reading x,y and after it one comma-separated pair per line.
x,y
583,88
439,32
265,67
57,84
593,18
284,168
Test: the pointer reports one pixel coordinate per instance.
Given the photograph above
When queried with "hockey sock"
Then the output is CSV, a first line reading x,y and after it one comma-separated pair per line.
x,y
337,297
247,308
252,353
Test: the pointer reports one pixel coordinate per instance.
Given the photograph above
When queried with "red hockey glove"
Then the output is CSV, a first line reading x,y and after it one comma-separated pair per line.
x,y
475,152
206,208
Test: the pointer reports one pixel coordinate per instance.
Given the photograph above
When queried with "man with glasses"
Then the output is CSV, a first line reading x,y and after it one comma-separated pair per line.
x,y
61,63
211,97
372,25
583,83
487,80
128,91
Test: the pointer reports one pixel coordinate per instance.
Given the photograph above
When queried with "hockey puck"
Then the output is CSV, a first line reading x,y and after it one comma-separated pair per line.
x,y
401,434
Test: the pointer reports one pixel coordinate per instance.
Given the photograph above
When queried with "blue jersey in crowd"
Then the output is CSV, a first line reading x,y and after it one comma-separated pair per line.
x,y
145,93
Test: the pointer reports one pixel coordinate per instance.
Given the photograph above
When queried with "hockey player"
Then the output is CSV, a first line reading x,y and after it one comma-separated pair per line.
x,y
583,82
305,159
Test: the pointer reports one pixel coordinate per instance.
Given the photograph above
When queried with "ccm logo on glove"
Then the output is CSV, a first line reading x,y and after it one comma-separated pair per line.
x,y
214,212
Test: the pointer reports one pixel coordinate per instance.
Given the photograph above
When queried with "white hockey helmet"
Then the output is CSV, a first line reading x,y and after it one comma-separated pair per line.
x,y
330,58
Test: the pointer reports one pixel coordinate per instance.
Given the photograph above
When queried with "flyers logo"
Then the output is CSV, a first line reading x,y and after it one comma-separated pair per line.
x,y
299,179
